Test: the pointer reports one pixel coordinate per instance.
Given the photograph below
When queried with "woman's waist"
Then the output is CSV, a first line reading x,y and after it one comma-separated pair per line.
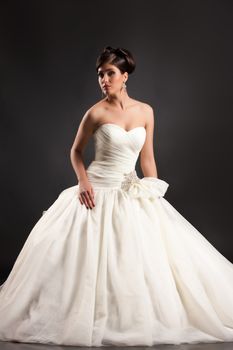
x,y
102,174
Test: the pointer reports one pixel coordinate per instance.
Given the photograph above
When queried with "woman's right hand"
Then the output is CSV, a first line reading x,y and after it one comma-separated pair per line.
x,y
86,193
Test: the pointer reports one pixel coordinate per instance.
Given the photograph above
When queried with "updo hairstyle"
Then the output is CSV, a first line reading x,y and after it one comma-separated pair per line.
x,y
119,57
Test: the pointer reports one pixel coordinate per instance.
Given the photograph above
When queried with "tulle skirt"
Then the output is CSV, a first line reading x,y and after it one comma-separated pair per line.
x,y
131,271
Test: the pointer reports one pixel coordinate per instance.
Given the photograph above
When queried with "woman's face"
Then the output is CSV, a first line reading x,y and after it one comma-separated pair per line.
x,y
111,79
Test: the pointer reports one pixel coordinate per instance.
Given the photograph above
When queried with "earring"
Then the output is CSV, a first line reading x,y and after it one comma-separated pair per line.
x,y
124,85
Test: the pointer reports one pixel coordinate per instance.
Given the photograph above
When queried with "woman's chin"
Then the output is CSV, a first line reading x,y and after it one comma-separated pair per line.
x,y
108,93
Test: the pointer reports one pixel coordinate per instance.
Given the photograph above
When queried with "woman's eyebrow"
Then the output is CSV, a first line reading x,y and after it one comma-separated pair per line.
x,y
101,71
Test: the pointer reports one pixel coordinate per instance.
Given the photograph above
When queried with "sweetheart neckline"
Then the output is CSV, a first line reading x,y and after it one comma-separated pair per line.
x,y
120,127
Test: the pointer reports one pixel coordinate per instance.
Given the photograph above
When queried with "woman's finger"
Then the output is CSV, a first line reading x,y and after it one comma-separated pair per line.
x,y
91,198
83,194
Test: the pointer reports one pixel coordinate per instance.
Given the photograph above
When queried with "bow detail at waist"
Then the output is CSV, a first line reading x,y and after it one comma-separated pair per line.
x,y
146,187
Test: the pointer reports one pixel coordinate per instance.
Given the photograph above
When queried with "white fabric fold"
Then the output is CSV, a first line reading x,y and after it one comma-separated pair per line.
x,y
148,187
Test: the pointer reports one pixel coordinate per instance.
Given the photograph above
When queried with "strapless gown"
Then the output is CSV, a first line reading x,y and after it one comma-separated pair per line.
x,y
131,271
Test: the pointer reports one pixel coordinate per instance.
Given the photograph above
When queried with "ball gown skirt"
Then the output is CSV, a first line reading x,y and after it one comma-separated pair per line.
x,y
131,271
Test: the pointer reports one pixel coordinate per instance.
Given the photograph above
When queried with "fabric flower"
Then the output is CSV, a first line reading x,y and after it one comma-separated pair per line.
x,y
147,187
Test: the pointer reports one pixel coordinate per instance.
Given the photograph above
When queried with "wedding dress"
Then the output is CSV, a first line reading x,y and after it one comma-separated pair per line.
x,y
131,271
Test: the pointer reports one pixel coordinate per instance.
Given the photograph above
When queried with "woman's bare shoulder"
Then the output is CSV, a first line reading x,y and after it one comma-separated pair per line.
x,y
143,106
146,110
93,113
96,109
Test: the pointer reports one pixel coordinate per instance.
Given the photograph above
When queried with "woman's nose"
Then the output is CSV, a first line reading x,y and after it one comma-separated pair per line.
x,y
105,79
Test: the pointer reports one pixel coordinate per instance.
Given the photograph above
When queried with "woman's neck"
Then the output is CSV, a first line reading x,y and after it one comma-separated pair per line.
x,y
120,100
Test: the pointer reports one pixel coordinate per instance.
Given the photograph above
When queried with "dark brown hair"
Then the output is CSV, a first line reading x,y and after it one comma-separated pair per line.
x,y
121,58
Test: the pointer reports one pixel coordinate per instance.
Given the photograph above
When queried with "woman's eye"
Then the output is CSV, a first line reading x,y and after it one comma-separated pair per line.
x,y
100,75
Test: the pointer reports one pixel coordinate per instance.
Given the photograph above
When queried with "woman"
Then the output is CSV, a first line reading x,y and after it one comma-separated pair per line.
x,y
130,271
118,109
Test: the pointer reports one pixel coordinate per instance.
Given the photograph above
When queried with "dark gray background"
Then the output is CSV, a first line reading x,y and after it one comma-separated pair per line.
x,y
183,51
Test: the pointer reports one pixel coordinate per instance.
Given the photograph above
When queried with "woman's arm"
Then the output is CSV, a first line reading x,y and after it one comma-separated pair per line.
x,y
85,131
147,159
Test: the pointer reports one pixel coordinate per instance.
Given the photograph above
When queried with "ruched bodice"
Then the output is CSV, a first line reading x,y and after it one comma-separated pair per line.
x,y
116,153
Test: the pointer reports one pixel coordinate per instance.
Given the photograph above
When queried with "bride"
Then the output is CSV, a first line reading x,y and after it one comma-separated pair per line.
x,y
118,109
131,271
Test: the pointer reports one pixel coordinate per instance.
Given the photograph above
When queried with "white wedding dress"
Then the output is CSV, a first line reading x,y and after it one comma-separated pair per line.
x,y
131,271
